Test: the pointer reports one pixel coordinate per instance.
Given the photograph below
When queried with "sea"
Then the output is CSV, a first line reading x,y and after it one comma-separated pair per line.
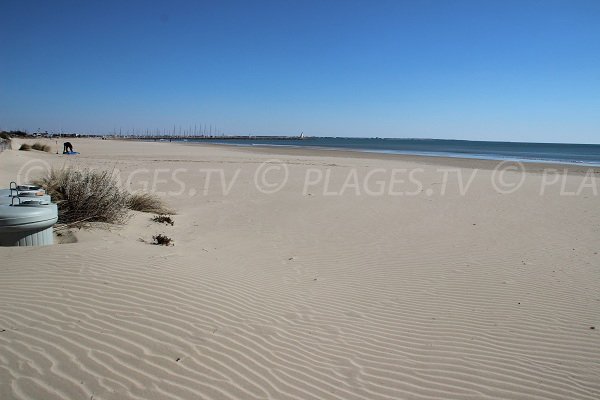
x,y
560,153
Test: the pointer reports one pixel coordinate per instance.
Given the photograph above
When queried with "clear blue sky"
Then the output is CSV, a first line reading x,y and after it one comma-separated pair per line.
x,y
488,70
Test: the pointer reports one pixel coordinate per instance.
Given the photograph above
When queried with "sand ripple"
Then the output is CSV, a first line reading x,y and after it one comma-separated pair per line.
x,y
335,328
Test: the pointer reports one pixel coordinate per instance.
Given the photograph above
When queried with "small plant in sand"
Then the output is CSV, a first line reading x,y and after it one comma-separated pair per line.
x,y
147,202
86,195
41,147
163,219
162,240
25,147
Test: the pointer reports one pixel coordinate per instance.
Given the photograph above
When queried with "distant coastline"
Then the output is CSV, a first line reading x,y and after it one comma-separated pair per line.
x,y
554,153
527,152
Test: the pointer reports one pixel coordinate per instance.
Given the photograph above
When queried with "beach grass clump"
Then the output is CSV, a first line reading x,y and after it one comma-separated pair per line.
x,y
147,202
86,195
41,147
162,240
5,141
11,134
36,146
163,219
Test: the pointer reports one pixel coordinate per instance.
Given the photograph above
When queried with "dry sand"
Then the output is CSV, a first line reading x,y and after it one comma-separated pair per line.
x,y
309,293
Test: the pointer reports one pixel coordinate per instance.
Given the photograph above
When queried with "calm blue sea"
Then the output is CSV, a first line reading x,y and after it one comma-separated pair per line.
x,y
585,154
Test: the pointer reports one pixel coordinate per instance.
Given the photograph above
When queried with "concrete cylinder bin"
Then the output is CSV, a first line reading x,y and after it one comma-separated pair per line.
x,y
27,222
27,187
6,195
24,192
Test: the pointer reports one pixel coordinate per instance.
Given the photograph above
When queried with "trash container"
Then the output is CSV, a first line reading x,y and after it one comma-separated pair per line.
x,y
6,196
25,186
27,222
22,190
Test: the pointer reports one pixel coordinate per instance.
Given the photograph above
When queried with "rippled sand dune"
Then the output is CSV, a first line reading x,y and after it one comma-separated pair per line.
x,y
305,294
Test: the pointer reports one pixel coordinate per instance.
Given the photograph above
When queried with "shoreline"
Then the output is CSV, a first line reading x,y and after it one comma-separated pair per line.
x,y
574,154
456,162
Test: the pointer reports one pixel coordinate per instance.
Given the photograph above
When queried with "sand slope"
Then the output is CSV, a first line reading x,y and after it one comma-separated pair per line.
x,y
307,296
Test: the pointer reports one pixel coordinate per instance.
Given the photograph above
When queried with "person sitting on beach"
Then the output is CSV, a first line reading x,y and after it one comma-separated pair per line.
x,y
67,148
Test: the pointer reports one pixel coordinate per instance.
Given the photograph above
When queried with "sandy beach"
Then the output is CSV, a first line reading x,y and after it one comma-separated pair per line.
x,y
306,274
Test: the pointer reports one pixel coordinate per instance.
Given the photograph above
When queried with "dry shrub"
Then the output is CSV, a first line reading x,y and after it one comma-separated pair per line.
x,y
25,147
147,202
41,147
5,141
163,219
162,240
86,195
